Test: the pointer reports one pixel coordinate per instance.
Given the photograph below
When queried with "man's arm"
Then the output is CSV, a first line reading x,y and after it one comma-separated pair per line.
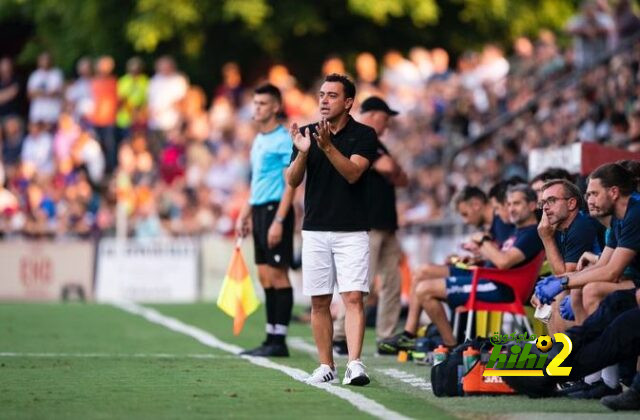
x,y
243,226
274,235
605,271
9,92
558,265
501,259
295,172
547,232
350,168
387,166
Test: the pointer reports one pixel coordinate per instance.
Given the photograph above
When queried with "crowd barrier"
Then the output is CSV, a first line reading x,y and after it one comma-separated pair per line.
x,y
162,270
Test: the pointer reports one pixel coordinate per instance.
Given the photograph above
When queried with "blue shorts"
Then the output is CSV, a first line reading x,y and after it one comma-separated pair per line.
x,y
459,289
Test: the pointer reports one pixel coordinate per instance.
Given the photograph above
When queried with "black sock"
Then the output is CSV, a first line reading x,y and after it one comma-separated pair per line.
x,y
283,306
408,334
270,306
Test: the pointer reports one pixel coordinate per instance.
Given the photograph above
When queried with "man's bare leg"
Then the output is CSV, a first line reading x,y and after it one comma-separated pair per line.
x,y
354,322
431,294
322,327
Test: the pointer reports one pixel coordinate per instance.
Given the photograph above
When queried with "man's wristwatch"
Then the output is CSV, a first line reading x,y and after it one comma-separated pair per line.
x,y
483,239
564,281
278,219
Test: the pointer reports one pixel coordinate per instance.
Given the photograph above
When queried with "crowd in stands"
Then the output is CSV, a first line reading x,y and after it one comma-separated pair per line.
x,y
96,147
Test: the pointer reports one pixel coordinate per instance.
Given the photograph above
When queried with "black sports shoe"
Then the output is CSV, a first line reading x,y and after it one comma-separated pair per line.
x,y
569,387
250,352
394,344
340,347
628,400
268,350
596,390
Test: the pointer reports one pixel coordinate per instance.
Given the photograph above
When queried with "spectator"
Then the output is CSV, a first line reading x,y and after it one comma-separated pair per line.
x,y
231,87
593,32
45,91
86,152
79,95
9,89
37,150
65,136
627,23
13,140
132,99
167,88
103,118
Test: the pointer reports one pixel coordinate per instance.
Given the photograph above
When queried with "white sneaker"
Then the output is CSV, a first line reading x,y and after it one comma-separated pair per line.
x,y
355,374
323,374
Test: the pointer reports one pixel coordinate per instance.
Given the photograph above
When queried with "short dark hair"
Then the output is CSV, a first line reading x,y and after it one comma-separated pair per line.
x,y
499,189
552,173
615,175
529,194
349,87
469,192
269,89
632,166
571,190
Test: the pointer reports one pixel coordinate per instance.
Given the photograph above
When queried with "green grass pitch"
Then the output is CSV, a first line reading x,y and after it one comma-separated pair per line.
x,y
90,361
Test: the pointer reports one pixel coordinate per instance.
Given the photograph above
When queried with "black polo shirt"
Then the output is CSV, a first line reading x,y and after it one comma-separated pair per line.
x,y
382,197
330,202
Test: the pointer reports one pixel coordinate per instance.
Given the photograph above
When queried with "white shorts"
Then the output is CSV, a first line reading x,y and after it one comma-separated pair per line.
x,y
330,258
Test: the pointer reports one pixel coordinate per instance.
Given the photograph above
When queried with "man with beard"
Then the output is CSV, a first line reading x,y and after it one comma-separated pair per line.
x,y
335,154
566,234
521,248
384,247
609,192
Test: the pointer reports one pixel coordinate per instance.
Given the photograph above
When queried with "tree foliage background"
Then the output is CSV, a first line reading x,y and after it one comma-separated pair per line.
x,y
203,34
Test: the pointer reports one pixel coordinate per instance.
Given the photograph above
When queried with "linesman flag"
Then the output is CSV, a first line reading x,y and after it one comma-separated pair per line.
x,y
237,297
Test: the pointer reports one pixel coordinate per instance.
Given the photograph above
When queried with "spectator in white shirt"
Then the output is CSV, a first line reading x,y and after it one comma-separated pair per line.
x,y
78,94
45,91
166,90
37,149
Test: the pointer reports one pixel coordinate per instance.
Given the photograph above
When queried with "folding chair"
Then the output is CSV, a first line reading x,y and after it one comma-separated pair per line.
x,y
521,280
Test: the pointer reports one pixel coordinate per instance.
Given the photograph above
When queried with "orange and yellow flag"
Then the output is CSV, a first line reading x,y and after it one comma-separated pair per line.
x,y
237,297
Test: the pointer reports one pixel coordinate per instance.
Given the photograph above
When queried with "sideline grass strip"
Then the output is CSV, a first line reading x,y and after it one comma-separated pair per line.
x,y
358,400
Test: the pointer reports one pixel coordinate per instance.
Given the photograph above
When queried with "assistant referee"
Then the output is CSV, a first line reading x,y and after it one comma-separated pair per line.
x,y
270,215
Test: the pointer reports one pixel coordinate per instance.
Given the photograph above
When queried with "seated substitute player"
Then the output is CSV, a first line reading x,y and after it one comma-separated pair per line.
x,y
520,249
475,209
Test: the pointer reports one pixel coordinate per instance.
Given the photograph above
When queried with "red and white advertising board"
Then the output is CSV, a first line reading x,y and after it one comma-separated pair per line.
x,y
45,270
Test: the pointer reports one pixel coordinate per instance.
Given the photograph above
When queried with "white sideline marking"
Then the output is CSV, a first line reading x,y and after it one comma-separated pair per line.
x,y
359,401
407,378
117,355
299,343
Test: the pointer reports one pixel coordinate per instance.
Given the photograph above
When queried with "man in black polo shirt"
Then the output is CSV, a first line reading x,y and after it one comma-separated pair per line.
x,y
385,250
334,154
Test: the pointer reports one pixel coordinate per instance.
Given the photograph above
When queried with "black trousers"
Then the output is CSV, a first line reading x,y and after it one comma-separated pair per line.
x,y
608,336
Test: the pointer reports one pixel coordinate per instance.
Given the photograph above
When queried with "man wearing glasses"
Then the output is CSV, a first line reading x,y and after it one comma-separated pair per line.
x,y
566,234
